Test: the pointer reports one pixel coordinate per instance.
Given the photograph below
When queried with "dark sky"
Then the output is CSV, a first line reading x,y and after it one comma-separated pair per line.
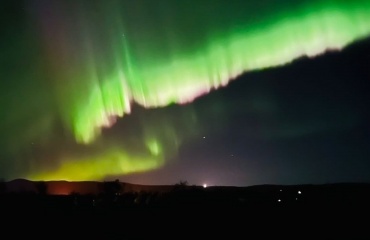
x,y
215,92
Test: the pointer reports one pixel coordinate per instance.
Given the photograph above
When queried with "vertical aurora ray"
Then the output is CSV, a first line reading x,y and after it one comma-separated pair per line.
x,y
103,56
125,54
306,31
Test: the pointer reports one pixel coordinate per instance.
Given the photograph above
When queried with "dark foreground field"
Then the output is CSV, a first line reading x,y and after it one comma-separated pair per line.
x,y
334,211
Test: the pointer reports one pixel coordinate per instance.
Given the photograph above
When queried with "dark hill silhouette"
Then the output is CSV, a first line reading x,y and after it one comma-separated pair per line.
x,y
119,210
80,187
268,193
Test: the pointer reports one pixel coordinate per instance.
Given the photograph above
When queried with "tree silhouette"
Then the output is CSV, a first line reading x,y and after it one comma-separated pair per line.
x,y
181,185
112,187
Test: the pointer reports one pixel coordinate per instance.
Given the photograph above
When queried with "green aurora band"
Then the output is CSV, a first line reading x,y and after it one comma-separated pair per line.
x,y
103,56
168,64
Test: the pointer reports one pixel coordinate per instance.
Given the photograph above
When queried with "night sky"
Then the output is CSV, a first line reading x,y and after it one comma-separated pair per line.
x,y
213,92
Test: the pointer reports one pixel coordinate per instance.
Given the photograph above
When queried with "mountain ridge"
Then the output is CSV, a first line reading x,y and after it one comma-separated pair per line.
x,y
65,187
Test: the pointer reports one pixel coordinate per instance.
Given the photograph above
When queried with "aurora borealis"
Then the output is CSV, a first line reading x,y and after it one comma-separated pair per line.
x,y
95,89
